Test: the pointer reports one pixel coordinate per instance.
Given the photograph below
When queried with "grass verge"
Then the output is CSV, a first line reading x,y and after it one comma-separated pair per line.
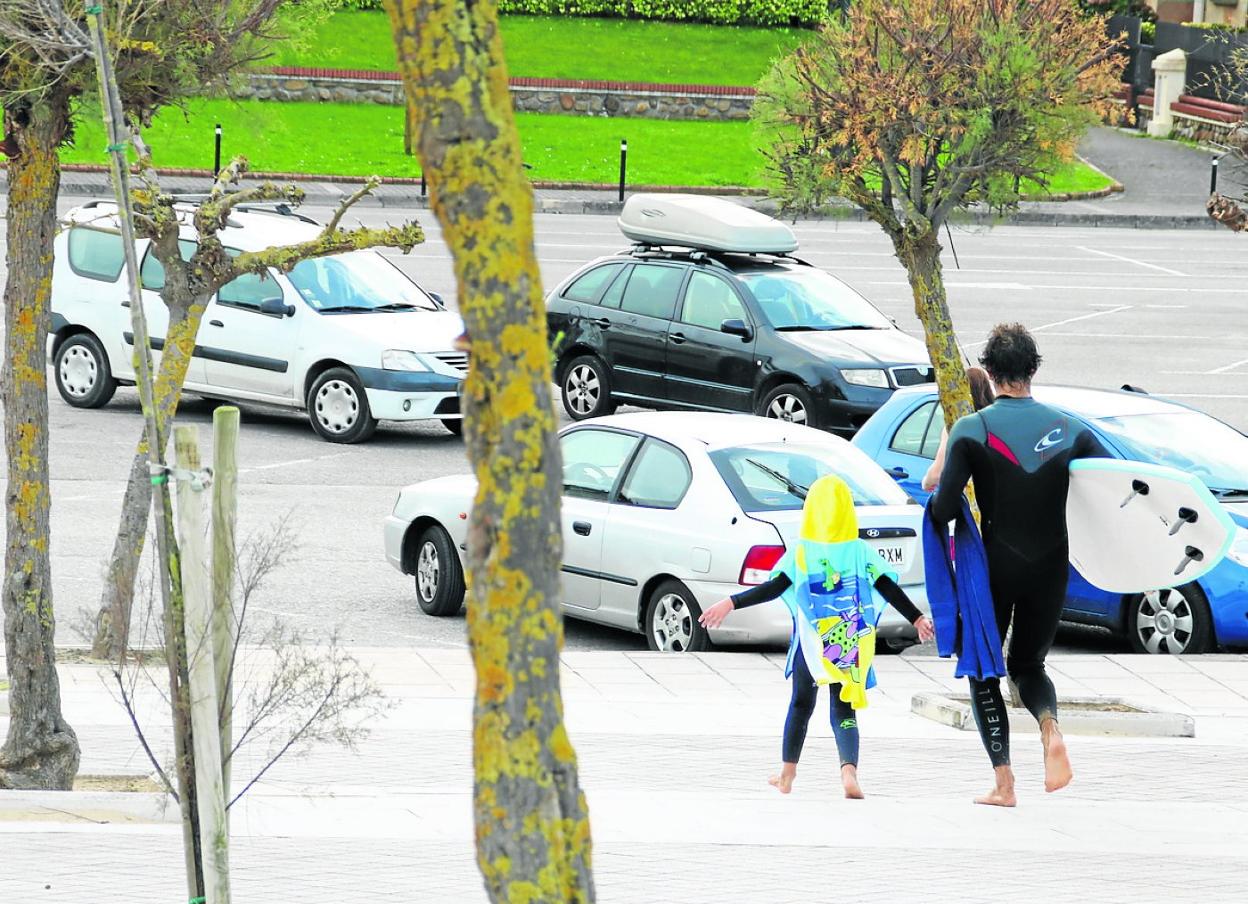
x,y
570,47
309,138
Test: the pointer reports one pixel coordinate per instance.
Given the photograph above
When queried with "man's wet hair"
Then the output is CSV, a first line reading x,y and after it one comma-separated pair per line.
x,y
1011,355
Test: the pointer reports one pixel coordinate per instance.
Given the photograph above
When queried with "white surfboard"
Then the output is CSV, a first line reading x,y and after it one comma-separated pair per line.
x,y
1136,527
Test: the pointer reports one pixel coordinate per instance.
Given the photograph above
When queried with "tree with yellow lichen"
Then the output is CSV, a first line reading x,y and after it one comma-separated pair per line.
x,y
915,109
532,821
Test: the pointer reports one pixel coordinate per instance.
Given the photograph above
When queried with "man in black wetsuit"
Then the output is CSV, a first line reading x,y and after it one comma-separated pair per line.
x,y
1018,452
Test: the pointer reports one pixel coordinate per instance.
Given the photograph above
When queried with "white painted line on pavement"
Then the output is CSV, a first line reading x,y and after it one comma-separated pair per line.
x,y
294,461
1013,286
1045,326
1131,260
1167,307
1222,370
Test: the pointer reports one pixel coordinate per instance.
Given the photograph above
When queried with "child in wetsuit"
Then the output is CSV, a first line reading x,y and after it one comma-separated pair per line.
x,y
829,581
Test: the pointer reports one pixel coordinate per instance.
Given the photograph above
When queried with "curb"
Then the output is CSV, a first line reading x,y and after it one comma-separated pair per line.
x,y
405,193
99,807
1141,722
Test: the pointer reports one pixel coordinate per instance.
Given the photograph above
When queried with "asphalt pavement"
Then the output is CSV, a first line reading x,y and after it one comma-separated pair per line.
x,y
1165,310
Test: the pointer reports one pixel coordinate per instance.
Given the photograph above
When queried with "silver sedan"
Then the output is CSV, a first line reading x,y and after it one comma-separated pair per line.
x,y
665,513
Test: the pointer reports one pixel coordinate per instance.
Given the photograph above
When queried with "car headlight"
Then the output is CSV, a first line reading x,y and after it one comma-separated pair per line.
x,y
865,377
1239,547
399,359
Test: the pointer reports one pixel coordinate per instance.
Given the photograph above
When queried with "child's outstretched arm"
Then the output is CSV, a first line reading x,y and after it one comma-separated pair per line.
x,y
715,615
896,597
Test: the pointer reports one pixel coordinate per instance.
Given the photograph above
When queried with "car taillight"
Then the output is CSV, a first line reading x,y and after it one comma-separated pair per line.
x,y
759,562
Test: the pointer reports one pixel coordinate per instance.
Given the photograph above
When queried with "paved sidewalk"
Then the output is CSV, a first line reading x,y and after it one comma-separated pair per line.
x,y
1166,183
674,753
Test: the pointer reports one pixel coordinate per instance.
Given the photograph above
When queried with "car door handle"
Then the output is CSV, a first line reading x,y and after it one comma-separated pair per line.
x,y
582,527
125,304
215,323
898,473
677,338
602,323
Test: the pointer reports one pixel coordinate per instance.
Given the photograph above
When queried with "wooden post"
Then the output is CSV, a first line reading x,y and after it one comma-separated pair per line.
x,y
225,424
210,793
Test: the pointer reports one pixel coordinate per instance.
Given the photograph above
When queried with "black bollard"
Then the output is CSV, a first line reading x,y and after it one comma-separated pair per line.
x,y
216,154
623,165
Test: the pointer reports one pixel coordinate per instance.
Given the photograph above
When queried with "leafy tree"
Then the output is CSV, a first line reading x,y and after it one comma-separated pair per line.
x,y
532,822
916,109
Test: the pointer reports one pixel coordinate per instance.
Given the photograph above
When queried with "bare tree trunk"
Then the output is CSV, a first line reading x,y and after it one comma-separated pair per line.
x,y
532,820
112,623
41,750
920,255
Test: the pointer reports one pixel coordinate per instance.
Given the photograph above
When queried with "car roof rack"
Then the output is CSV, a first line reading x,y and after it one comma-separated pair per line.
x,y
698,255
277,208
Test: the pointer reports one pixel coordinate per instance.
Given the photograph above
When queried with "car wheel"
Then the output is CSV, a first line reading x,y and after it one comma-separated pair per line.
x,y
790,402
439,576
83,377
338,407
672,621
586,388
456,426
1174,621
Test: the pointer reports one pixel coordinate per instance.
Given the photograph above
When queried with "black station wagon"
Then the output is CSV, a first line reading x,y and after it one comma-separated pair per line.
x,y
709,330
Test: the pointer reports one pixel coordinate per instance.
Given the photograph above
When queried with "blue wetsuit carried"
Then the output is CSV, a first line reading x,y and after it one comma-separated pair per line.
x,y
1018,452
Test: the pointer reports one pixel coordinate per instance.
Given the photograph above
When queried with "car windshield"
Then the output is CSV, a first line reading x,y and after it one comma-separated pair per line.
x,y
806,298
1187,440
358,281
774,477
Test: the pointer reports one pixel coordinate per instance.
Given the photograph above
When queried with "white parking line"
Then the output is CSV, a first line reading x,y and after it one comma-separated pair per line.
x,y
1131,260
1045,326
1222,370
294,461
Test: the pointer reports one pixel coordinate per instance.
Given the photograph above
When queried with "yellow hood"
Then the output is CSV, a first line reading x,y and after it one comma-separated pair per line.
x,y
828,513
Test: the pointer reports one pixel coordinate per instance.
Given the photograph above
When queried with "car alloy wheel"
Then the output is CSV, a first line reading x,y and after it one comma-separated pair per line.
x,y
672,624
337,407
79,371
1165,622
787,408
428,571
583,389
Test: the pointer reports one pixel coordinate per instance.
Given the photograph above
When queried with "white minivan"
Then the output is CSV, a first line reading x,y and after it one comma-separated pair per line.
x,y
348,338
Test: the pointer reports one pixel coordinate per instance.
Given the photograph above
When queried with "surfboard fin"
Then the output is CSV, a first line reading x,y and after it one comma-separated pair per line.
x,y
1190,555
1138,488
1186,516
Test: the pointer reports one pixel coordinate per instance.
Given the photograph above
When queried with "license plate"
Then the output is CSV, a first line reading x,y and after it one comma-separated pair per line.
x,y
893,555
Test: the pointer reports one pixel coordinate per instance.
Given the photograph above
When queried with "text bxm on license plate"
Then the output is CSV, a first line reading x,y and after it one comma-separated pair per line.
x,y
893,555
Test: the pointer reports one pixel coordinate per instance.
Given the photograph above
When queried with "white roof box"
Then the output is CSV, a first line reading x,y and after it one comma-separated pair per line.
x,y
699,221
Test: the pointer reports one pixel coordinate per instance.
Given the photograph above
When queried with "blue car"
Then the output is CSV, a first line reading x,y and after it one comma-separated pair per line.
x,y
1198,617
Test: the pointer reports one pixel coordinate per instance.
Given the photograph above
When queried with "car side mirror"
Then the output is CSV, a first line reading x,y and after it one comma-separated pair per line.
x,y
277,307
438,300
736,328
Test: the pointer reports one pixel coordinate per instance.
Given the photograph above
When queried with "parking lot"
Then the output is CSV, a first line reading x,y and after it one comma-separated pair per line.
x,y
1166,311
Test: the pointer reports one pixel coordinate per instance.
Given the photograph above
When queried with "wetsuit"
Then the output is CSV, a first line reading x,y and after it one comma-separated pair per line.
x,y
1018,451
805,691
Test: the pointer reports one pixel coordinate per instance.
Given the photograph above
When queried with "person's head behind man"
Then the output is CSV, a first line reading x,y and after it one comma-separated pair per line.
x,y
1011,358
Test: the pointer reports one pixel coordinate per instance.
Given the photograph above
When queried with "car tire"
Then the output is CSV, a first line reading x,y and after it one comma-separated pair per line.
x,y
585,384
790,402
439,576
455,426
83,376
338,407
1174,621
671,621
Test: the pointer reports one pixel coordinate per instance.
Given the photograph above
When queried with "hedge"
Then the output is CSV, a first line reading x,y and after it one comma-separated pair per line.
x,y
720,12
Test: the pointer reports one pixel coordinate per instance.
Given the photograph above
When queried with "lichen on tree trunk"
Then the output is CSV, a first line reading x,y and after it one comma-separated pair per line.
x,y
112,625
532,822
41,749
919,252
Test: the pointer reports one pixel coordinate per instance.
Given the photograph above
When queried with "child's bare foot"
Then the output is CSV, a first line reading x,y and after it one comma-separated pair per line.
x,y
849,779
1057,769
784,781
1002,795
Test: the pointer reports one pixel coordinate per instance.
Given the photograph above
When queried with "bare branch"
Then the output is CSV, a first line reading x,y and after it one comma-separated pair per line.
x,y
138,730
367,188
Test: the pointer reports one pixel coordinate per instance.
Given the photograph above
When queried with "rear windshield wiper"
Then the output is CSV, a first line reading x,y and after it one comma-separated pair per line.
x,y
795,488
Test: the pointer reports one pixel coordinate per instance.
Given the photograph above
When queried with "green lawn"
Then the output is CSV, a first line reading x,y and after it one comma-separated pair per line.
x,y
571,47
309,138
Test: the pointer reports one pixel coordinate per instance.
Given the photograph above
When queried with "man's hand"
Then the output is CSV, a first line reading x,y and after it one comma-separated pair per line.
x,y
927,631
715,615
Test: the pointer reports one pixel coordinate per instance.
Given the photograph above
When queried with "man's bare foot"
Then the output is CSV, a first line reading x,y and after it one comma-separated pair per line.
x,y
784,781
849,779
1057,768
1002,795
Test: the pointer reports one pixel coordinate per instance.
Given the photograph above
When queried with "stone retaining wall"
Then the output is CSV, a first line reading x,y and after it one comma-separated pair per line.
x,y
583,98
